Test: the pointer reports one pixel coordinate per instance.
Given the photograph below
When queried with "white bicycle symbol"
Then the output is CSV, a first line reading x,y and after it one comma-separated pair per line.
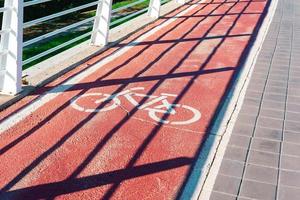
x,y
165,108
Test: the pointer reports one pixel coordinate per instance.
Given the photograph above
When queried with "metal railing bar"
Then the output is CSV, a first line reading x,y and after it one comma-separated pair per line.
x,y
129,16
53,33
34,2
59,14
127,6
45,53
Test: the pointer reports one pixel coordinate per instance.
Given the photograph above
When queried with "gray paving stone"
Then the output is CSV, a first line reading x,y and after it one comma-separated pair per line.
x,y
270,122
294,92
275,83
277,114
275,90
288,193
273,105
291,116
293,99
275,97
235,153
243,129
290,136
239,141
227,184
254,94
290,178
265,145
256,190
232,168
246,119
293,107
268,133
221,196
263,158
290,162
292,126
252,102
249,110
291,149
261,174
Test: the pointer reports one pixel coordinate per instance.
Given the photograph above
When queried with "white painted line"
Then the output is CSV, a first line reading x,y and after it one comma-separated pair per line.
x,y
50,95
214,148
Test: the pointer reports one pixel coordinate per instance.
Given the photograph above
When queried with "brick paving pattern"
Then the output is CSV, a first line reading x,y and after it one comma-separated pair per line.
x,y
262,159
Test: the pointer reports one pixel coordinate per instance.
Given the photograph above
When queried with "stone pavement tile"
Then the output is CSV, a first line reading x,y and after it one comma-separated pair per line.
x,y
290,136
256,190
275,97
234,153
292,116
243,129
252,102
281,77
294,92
293,99
290,178
232,168
268,133
249,110
261,174
273,105
259,77
276,83
265,145
275,90
292,126
221,196
227,184
256,87
268,122
277,114
246,119
293,107
288,193
254,94
291,149
239,141
263,158
290,162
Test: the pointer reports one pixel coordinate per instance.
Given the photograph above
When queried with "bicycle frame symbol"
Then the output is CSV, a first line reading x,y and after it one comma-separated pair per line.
x,y
112,101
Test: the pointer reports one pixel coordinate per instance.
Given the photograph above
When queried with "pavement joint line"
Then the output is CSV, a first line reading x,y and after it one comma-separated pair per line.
x,y
250,179
235,103
53,93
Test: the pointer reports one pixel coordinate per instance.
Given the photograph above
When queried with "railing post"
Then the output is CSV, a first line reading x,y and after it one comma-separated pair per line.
x,y
181,1
101,23
11,47
154,8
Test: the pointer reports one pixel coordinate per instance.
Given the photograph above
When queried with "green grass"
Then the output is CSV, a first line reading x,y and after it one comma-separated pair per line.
x,y
38,48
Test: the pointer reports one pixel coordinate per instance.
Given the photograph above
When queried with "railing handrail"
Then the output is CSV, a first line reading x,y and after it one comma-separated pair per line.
x,y
11,59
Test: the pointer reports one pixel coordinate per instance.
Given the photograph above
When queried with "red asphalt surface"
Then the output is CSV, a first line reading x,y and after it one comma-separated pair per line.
x,y
59,152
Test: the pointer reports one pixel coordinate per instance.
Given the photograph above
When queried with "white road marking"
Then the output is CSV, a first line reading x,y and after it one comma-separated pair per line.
x,y
50,95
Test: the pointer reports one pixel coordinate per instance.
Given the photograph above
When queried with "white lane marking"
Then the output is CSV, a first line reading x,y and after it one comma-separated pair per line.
x,y
115,102
50,95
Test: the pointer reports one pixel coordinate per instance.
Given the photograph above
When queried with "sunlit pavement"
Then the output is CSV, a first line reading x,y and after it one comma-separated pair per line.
x,y
129,123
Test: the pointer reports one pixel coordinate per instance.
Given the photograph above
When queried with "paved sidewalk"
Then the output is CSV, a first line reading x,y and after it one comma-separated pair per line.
x,y
262,159
130,122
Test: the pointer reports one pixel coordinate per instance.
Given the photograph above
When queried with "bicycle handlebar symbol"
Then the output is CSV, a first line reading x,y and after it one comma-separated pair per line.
x,y
113,101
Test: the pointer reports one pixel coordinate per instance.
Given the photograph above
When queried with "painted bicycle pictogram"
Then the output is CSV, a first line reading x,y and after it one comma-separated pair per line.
x,y
157,106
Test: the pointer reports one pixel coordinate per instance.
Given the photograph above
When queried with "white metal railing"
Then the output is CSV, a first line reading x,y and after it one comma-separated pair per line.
x,y
11,44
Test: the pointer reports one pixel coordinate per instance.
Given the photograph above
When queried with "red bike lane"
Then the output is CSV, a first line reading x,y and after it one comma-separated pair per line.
x,y
133,127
